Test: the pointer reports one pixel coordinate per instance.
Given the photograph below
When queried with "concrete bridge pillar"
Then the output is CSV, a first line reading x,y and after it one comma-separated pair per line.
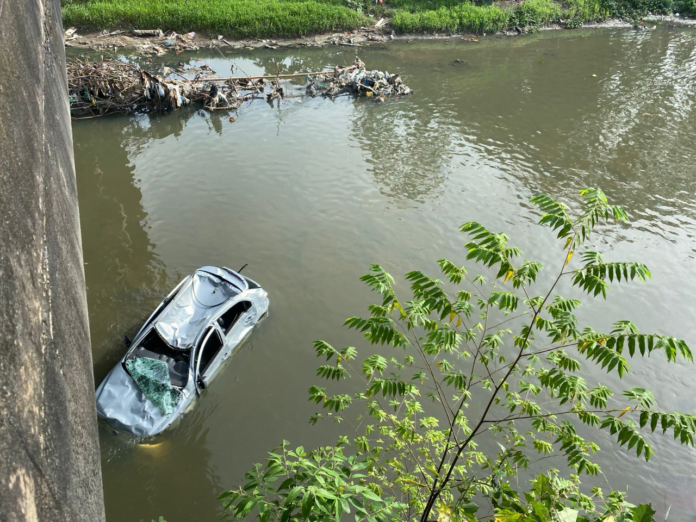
x,y
49,449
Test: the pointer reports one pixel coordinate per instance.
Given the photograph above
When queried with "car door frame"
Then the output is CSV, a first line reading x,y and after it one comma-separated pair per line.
x,y
232,339
203,380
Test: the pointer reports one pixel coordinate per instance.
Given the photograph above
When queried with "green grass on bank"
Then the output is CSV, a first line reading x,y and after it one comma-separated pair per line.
x,y
477,18
445,15
276,18
233,18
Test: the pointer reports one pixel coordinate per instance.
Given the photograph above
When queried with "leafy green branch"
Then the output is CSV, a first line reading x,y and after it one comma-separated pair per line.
x,y
462,357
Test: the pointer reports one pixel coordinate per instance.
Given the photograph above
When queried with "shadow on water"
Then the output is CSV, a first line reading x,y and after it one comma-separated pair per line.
x,y
125,280
124,276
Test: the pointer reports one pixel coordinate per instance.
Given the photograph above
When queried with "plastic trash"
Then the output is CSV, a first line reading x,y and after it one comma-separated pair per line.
x,y
356,79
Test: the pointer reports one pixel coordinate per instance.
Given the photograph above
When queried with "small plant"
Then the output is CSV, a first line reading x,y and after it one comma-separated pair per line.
x,y
462,17
467,358
550,497
573,23
685,7
319,485
535,13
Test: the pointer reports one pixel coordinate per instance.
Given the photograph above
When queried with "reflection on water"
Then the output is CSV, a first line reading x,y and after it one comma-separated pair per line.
x,y
406,146
169,477
309,192
125,276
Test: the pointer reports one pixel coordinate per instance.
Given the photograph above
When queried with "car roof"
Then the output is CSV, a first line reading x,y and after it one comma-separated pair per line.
x,y
206,292
228,275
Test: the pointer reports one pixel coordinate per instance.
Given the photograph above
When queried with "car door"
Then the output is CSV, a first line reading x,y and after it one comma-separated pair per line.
x,y
231,326
209,356
235,323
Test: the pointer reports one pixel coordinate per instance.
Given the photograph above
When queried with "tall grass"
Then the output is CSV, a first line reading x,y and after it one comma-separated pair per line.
x,y
256,18
233,18
423,5
448,16
633,9
587,10
536,13
463,17
476,18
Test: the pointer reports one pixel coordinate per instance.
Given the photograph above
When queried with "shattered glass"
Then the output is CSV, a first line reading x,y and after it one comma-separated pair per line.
x,y
152,377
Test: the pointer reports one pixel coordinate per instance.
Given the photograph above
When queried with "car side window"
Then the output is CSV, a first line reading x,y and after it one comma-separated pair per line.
x,y
231,316
209,351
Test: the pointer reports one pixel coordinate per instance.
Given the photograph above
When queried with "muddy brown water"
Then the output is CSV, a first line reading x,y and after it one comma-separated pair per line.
x,y
312,191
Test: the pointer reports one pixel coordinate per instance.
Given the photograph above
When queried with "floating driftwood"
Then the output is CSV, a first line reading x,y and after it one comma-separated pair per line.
x,y
113,86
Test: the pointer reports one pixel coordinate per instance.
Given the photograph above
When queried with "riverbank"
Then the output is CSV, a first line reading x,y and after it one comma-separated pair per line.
x,y
251,19
172,42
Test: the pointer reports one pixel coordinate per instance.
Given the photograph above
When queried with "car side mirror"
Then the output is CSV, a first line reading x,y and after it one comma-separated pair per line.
x,y
127,341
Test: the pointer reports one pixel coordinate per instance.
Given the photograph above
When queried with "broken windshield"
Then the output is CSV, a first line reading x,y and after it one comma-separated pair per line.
x,y
152,377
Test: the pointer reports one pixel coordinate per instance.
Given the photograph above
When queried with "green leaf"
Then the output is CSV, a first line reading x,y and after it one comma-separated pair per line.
x,y
326,494
367,493
469,507
374,363
507,515
294,492
567,515
248,506
264,512
643,513
307,504
285,484
641,396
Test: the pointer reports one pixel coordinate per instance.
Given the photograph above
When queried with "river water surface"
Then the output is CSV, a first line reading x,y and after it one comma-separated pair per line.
x,y
312,191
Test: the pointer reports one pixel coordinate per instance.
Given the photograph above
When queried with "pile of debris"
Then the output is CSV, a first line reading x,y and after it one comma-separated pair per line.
x,y
357,80
146,42
113,86
105,87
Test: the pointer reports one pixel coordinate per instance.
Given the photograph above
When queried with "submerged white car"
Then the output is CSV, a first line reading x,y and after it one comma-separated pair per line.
x,y
179,350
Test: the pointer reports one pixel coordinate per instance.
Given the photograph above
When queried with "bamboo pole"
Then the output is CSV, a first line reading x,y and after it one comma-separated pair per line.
x,y
270,77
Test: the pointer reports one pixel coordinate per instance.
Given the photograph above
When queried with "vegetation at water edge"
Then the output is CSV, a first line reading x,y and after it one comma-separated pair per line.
x,y
417,16
233,18
468,362
291,18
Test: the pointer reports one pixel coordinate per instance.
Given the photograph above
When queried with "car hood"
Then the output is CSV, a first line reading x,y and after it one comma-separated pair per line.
x,y
123,405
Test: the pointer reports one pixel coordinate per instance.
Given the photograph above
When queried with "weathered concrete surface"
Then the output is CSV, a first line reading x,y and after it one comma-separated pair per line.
x,y
49,451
